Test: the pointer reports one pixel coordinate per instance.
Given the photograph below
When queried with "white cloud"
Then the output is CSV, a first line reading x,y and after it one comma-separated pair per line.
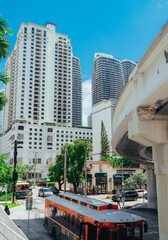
x,y
87,100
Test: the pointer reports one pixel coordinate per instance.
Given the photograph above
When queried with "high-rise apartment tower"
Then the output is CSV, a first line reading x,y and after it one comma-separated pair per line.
x,y
108,77
76,92
40,68
127,67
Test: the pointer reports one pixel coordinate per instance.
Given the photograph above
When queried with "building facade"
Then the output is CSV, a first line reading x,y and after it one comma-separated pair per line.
x,y
105,178
40,143
76,92
108,76
39,112
40,68
127,66
102,111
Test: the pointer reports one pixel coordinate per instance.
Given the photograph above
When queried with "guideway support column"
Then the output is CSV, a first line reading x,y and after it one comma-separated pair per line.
x,y
155,133
160,157
151,183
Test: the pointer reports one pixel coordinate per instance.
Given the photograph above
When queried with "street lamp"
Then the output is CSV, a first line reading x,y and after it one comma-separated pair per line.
x,y
35,162
14,171
65,170
86,166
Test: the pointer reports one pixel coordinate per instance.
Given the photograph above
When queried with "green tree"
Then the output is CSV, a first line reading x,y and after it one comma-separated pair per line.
x,y
4,50
6,172
136,180
31,167
76,161
105,145
56,172
117,160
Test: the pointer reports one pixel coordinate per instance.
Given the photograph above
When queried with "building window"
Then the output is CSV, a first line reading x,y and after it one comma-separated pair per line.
x,y
50,130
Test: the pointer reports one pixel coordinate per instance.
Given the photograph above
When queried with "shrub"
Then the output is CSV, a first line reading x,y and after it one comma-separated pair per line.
x,y
51,184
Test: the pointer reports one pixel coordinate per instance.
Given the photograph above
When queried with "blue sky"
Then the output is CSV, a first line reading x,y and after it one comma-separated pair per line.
x,y
122,28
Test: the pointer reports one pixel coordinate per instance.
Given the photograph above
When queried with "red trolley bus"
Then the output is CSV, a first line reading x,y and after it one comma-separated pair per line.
x,y
72,217
22,189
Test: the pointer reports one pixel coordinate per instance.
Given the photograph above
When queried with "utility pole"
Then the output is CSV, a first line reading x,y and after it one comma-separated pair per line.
x,y
35,162
85,170
122,178
14,171
65,170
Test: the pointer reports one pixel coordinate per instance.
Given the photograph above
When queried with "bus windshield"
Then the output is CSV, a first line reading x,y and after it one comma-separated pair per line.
x,y
124,233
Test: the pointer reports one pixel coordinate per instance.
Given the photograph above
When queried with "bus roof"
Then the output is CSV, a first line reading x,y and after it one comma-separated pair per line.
x,y
84,199
102,216
22,183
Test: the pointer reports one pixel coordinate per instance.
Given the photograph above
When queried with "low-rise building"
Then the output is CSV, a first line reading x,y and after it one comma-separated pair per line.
x,y
102,111
39,144
103,178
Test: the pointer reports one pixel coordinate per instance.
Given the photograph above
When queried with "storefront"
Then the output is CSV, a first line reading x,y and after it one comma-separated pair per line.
x,y
117,180
101,183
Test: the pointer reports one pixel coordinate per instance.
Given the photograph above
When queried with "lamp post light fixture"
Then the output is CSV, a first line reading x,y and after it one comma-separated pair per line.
x,y
35,162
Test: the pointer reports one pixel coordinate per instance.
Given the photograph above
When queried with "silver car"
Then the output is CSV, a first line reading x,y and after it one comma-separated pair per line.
x,y
141,192
44,192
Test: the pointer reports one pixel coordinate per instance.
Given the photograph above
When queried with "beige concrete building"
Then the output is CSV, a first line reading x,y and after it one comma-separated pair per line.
x,y
103,178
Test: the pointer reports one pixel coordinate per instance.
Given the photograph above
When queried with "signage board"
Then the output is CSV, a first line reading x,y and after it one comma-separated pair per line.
x,y
29,203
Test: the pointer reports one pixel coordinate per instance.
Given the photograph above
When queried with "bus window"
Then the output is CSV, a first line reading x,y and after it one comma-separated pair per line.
x,y
138,233
83,231
92,232
125,233
50,211
109,234
55,213
73,224
69,221
77,226
22,187
58,214
62,217
65,218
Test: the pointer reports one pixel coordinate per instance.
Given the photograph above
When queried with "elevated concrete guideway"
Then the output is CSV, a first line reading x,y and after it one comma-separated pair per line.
x,y
140,123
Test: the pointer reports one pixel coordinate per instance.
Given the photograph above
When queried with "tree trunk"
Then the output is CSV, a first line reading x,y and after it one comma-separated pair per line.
x,y
75,187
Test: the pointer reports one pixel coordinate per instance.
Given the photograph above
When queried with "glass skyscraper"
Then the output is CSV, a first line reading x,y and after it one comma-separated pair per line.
x,y
109,76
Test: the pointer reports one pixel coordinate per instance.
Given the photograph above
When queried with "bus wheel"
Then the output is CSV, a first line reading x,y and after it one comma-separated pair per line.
x,y
54,234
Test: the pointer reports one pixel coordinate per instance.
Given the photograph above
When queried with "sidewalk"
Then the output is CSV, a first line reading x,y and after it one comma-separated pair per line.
x,y
139,208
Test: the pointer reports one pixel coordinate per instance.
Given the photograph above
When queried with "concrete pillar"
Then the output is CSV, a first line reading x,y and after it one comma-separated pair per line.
x,y
160,157
151,184
151,180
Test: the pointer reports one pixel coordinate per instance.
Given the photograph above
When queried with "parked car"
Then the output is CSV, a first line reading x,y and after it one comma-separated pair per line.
x,y
145,195
128,195
41,184
141,192
44,192
54,190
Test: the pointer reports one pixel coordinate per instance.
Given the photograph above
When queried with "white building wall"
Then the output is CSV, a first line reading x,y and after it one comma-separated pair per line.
x,y
37,139
101,111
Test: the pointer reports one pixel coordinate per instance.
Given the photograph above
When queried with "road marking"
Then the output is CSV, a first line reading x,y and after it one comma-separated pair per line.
x,y
38,200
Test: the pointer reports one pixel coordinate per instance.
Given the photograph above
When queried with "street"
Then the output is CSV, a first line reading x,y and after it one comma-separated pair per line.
x,y
37,230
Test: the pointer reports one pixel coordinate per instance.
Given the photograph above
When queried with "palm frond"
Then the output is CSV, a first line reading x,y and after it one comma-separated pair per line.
x,y
3,100
4,47
4,78
4,26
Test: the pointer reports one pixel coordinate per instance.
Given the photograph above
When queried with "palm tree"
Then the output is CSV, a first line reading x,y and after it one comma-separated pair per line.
x,y
4,50
31,167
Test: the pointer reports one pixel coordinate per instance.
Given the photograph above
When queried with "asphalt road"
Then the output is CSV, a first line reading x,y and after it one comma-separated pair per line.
x,y
38,232
36,229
